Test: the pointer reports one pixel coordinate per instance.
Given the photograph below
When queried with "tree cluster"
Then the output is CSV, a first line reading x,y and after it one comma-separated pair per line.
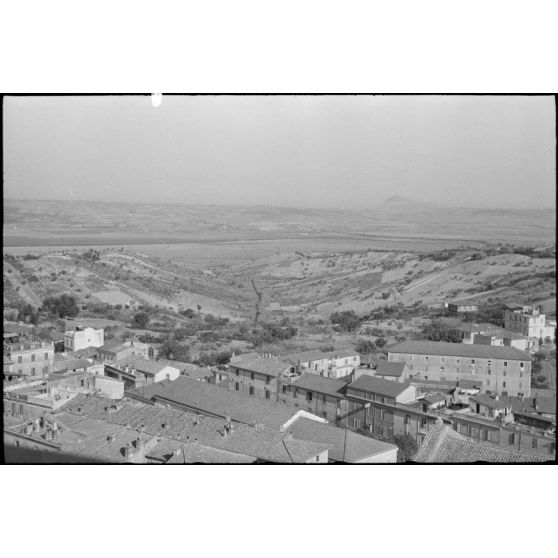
x,y
346,320
63,306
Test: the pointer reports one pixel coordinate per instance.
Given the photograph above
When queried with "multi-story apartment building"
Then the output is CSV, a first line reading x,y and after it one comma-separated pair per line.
x,y
30,358
82,337
502,370
528,321
324,397
258,375
386,408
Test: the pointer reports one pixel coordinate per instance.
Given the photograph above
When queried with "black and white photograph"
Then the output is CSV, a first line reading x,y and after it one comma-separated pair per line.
x,y
299,255
279,279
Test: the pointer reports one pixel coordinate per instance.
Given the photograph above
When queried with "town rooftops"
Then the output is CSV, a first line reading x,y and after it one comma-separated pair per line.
x,y
443,445
321,384
346,446
143,365
253,363
305,356
391,369
113,346
188,428
217,401
71,364
380,386
491,402
459,350
434,398
88,352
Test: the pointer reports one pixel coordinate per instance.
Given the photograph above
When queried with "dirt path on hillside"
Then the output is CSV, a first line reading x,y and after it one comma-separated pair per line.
x,y
24,292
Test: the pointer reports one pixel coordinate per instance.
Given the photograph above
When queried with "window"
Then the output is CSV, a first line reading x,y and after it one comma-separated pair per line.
x,y
407,419
504,372
33,358
485,434
295,393
472,361
443,359
284,389
316,366
251,390
521,374
520,365
324,399
32,371
511,438
19,359
457,361
503,384
423,423
505,362
267,380
267,394
489,372
46,356
251,375
520,385
236,386
534,443
237,372
308,396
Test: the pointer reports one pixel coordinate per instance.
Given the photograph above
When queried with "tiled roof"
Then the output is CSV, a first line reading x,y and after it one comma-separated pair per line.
x,y
379,385
211,399
305,356
267,366
435,398
71,364
459,350
194,453
443,445
321,384
144,365
264,444
392,369
347,446
544,405
491,402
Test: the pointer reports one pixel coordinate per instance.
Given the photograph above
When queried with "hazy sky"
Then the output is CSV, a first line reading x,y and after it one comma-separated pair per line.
x,y
331,151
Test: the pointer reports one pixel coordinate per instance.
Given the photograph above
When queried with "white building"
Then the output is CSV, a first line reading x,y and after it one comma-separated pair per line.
x,y
83,337
529,321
